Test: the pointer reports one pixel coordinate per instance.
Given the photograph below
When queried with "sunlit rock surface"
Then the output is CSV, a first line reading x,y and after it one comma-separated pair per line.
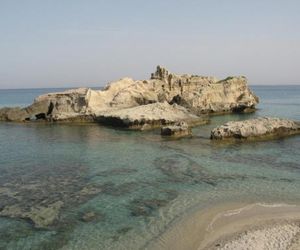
x,y
149,116
263,127
179,129
197,94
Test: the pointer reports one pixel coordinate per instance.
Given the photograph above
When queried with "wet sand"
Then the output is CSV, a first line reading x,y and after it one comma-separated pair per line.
x,y
236,226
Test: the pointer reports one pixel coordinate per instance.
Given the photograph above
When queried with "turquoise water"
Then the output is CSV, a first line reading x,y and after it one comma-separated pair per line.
x,y
24,97
120,189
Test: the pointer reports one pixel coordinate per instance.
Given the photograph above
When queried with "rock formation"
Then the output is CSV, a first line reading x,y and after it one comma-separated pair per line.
x,y
179,129
149,116
197,94
67,105
263,127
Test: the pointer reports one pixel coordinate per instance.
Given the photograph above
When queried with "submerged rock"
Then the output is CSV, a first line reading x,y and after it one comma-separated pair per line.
x,y
179,129
39,194
40,216
92,216
146,207
263,127
181,169
118,190
198,94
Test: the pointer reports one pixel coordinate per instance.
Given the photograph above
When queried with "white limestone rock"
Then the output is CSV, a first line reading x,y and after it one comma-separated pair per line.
x,y
198,94
179,129
148,116
263,127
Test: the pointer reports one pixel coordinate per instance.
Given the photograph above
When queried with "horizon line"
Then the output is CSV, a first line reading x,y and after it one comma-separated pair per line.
x,y
101,86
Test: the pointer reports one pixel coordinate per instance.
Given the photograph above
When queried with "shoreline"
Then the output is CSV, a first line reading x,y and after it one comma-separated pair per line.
x,y
235,226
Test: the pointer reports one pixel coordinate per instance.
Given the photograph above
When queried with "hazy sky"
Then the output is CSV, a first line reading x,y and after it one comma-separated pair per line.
x,y
62,43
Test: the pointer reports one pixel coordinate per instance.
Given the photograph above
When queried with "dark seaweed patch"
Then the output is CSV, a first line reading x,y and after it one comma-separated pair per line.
x,y
180,168
117,171
35,194
147,207
117,190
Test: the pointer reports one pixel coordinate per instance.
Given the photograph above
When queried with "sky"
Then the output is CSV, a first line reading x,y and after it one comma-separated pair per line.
x,y
72,43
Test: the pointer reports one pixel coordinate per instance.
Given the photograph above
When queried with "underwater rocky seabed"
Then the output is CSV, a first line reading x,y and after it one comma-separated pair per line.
x,y
91,187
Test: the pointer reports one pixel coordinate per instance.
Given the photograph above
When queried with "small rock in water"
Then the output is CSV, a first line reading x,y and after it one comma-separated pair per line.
x,y
179,129
262,127
146,207
89,216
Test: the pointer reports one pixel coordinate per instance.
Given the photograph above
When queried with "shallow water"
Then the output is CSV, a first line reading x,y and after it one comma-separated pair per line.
x,y
120,189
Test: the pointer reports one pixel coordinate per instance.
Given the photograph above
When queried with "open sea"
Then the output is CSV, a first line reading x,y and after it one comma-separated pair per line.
x,y
104,188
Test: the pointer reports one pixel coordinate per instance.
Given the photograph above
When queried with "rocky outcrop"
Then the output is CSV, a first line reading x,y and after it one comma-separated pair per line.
x,y
263,127
67,105
149,116
179,129
197,94
13,114
203,94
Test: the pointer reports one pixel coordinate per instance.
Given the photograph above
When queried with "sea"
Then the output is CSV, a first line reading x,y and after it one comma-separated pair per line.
x,y
86,186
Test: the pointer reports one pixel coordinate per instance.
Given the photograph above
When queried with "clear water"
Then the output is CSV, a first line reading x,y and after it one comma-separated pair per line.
x,y
21,97
135,184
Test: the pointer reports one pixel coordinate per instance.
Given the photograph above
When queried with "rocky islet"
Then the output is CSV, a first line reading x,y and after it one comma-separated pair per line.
x,y
169,101
164,99
259,128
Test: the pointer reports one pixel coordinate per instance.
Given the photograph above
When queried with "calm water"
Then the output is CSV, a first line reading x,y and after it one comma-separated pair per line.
x,y
116,189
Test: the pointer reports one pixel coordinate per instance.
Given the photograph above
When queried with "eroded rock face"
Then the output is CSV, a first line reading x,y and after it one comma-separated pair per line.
x,y
198,94
13,114
179,129
67,105
203,94
263,127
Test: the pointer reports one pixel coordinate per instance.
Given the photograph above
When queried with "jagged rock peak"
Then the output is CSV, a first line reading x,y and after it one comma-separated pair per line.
x,y
161,73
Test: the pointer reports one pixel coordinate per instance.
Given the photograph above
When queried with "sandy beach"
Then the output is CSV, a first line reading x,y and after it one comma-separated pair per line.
x,y
236,226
